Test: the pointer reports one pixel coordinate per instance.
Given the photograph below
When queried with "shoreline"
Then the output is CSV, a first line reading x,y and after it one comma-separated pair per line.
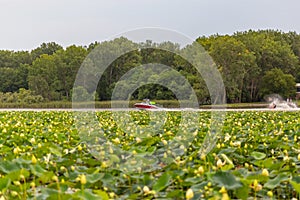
x,y
134,109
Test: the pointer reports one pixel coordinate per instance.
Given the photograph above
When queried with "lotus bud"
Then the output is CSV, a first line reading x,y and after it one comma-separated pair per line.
x,y
200,170
265,172
189,194
270,193
33,159
146,189
219,163
223,190
83,179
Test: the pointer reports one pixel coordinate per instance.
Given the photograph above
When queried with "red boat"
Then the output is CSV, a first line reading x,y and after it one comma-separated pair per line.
x,y
147,104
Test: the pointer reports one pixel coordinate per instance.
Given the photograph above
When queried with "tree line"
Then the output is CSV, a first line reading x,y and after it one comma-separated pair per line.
x,y
253,64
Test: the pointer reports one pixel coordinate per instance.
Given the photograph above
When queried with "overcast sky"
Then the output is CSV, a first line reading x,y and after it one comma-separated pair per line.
x,y
25,24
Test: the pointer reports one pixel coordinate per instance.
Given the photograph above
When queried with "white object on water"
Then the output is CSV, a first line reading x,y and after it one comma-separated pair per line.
x,y
276,103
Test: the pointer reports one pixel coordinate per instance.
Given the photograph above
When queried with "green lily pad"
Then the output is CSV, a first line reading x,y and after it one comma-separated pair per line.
x,y
296,183
4,183
273,183
8,166
227,180
89,195
15,175
162,182
258,155
37,170
102,194
93,178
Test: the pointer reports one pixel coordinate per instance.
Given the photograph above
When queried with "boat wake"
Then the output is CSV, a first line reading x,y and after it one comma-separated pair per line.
x,y
277,102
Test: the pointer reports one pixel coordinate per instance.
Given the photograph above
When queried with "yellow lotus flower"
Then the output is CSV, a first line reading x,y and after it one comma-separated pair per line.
x,y
16,150
189,194
55,178
32,140
138,140
32,184
33,159
256,186
225,196
200,170
116,140
270,194
223,190
146,189
265,172
83,179
220,163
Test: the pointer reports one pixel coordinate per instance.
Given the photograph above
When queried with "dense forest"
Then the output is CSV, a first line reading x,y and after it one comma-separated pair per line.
x,y
253,64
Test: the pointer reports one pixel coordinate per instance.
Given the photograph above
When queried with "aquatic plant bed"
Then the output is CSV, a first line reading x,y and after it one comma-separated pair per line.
x,y
53,155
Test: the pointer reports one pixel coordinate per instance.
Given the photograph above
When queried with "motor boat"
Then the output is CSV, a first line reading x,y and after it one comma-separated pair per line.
x,y
282,104
146,104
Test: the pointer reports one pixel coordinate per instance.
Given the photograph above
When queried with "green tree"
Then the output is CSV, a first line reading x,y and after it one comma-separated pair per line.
x,y
11,80
276,81
81,94
21,58
235,62
92,46
101,57
68,62
7,77
272,49
190,72
45,48
6,58
43,78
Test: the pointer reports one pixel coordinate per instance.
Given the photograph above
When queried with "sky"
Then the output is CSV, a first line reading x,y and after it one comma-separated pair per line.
x,y
27,24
